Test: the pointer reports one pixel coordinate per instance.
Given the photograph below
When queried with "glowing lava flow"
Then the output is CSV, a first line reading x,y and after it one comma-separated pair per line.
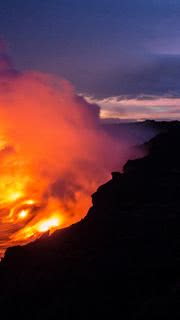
x,y
49,224
53,156
23,214
23,219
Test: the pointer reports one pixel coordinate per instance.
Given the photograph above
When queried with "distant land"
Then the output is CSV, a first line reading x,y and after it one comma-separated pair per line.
x,y
137,131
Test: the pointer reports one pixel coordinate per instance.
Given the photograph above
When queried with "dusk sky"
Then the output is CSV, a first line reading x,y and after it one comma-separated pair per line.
x,y
122,54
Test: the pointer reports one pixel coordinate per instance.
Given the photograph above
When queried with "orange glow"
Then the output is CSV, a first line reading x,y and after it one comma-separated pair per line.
x,y
46,225
14,196
23,213
53,156
29,201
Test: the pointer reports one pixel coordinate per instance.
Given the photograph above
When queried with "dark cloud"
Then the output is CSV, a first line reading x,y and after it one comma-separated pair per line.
x,y
103,46
160,75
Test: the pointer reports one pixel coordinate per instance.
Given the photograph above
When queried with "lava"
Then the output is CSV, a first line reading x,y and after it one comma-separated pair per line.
x,y
53,156
49,224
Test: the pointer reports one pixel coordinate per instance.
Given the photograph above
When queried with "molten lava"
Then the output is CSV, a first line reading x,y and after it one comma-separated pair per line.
x,y
53,155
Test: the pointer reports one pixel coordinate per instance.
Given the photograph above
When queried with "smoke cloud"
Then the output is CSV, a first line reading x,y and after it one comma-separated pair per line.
x,y
53,154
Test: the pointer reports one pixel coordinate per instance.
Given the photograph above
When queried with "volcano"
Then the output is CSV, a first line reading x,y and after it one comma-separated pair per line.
x,y
120,261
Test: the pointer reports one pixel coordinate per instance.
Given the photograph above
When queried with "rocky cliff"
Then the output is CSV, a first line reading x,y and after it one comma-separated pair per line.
x,y
121,261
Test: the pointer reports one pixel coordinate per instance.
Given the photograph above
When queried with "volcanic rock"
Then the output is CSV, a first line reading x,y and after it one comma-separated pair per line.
x,y
122,261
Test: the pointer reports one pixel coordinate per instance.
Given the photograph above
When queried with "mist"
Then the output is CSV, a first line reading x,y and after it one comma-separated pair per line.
x,y
54,153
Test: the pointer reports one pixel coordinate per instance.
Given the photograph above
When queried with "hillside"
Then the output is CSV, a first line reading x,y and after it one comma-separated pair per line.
x,y
122,261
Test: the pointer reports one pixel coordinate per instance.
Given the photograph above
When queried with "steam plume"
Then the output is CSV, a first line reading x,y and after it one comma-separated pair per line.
x,y
53,154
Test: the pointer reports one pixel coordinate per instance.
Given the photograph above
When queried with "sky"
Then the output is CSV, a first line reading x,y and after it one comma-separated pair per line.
x,y
121,54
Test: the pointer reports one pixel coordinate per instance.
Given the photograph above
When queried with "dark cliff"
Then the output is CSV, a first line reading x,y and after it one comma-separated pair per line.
x,y
121,261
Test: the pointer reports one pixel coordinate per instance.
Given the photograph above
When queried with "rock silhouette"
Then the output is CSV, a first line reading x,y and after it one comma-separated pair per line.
x,y
122,261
